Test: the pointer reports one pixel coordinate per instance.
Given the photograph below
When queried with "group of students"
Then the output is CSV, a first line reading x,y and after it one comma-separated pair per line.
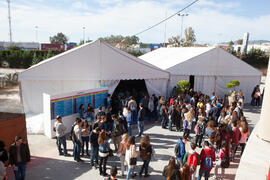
x,y
103,129
222,126
18,155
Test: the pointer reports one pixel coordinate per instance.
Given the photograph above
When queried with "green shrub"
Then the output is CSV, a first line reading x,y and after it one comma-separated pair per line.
x,y
183,84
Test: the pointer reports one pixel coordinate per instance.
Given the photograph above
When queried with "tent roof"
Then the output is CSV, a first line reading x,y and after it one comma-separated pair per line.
x,y
93,61
200,61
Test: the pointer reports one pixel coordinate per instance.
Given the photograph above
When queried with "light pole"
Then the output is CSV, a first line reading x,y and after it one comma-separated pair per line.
x,y
182,19
83,35
36,27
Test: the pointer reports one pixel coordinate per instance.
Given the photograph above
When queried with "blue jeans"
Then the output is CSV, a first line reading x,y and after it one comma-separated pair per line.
x,y
62,140
77,150
130,171
140,127
93,155
204,173
85,140
170,125
145,166
19,171
163,121
129,130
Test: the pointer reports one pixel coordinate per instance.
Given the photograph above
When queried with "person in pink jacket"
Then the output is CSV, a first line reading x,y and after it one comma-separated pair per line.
x,y
221,155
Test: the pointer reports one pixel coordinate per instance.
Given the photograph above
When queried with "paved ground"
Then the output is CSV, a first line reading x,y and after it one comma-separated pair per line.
x,y
46,164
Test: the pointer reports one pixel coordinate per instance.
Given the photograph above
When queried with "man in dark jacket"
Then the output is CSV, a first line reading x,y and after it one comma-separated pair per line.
x,y
94,147
141,115
19,155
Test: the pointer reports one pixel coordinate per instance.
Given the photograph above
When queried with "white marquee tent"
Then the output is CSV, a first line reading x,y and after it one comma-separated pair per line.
x,y
89,66
211,67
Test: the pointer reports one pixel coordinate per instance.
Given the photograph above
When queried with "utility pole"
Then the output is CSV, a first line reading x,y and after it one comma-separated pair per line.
x,y
9,21
83,35
36,27
182,18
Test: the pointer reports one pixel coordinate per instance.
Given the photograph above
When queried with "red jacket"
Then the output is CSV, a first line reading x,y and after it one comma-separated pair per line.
x,y
210,153
236,135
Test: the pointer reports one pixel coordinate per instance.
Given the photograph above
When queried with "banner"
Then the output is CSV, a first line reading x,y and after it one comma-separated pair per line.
x,y
68,104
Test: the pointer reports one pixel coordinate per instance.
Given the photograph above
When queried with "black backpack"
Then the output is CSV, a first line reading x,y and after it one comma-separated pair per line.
x,y
177,150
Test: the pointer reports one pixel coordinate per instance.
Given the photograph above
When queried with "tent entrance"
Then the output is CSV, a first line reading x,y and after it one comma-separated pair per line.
x,y
191,81
127,88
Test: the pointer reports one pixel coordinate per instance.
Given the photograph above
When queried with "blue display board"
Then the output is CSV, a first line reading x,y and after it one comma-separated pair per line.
x,y
66,106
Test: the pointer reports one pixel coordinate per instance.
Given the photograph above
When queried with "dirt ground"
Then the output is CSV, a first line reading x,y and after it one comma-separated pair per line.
x,y
10,100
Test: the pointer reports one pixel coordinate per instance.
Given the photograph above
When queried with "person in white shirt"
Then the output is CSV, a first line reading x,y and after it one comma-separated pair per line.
x,y
77,137
61,136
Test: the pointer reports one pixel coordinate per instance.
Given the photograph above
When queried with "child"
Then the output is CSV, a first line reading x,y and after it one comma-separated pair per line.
x,y
221,155
192,158
113,174
187,124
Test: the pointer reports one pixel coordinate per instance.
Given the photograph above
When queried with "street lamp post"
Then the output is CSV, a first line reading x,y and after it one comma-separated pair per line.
x,y
182,19
83,35
36,27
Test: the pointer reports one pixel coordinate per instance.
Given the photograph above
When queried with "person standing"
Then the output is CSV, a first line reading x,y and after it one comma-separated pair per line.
x,y
77,137
116,133
207,158
85,136
145,154
3,158
129,122
199,130
132,105
131,157
180,150
122,151
19,156
81,111
192,158
94,147
61,136
236,136
151,108
141,115
171,171
104,149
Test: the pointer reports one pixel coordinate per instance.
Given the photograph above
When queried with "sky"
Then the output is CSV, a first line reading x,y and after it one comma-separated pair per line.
x,y
212,20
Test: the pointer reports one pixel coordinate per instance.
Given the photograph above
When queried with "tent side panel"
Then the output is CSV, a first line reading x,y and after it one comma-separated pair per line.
x,y
156,86
174,80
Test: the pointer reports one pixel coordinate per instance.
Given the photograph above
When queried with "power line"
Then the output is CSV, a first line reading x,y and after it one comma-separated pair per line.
x,y
167,18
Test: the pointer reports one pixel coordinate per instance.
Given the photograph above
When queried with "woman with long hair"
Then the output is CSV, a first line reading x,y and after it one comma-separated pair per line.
x,y
104,149
130,156
145,153
85,136
171,171
185,172
122,151
81,111
244,135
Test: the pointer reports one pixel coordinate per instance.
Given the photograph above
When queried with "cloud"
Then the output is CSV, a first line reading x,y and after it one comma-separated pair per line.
x,y
210,22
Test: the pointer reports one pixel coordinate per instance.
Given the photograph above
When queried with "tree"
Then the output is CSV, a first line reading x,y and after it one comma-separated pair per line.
x,y
240,41
59,38
119,39
175,41
231,43
190,37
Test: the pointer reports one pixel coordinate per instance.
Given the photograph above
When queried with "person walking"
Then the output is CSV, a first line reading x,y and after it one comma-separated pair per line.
x,y
122,152
207,157
104,149
145,154
61,136
141,115
94,147
236,136
244,135
131,157
19,156
221,156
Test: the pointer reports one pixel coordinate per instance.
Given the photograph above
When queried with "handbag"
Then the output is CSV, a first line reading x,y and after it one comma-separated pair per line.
x,y
133,161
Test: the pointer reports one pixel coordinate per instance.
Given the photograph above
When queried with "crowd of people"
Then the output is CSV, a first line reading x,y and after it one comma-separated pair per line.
x,y
216,125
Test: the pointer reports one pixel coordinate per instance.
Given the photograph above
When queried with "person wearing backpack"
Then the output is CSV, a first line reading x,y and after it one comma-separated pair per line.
x,y
223,160
116,133
180,150
192,158
199,130
207,157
